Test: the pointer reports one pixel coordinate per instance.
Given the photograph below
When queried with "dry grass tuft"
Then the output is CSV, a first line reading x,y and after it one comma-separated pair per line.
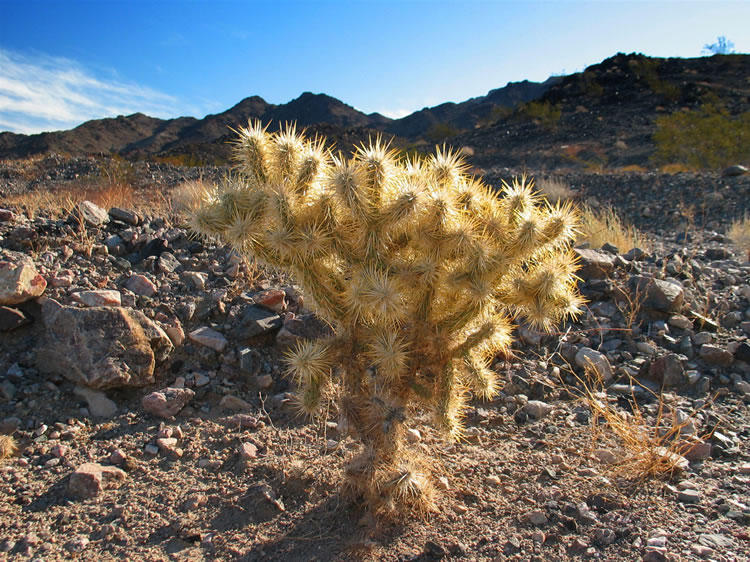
x,y
555,190
739,234
7,446
598,227
644,447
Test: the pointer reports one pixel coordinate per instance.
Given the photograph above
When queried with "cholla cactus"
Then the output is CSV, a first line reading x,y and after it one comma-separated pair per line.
x,y
419,268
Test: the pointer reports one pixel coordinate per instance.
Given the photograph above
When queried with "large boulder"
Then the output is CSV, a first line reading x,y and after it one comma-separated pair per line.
x,y
19,280
101,347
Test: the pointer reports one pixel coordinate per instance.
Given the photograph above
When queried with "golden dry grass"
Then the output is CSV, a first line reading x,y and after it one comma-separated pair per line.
x,y
602,226
644,446
7,446
554,189
739,234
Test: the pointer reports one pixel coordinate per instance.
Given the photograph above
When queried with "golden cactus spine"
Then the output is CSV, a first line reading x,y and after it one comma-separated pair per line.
x,y
420,269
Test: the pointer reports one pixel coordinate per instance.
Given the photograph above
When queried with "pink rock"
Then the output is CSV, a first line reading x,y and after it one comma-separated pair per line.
x,y
272,299
167,402
59,451
248,451
103,297
173,329
91,478
140,285
6,215
62,279
19,280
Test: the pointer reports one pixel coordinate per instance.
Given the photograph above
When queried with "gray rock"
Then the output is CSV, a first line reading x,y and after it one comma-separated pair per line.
x,y
128,217
743,352
101,347
594,265
210,338
537,518
716,355
537,409
167,402
12,318
667,370
168,263
590,359
256,321
733,171
635,254
19,280
91,214
234,403
303,327
681,322
99,405
656,294
8,390
91,478
196,278
689,496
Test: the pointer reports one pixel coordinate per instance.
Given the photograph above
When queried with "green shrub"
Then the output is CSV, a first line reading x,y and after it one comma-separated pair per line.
x,y
544,114
708,137
420,270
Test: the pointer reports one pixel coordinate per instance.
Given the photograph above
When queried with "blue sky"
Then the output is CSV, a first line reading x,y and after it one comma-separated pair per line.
x,y
64,62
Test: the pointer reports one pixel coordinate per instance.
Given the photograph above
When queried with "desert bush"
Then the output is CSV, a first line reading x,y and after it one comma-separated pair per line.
x,y
420,270
602,226
647,70
438,132
708,137
555,189
739,234
544,114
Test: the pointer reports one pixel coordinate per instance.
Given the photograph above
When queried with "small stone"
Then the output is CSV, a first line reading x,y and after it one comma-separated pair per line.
x,y
196,278
413,435
168,263
210,338
733,171
742,353
605,456
681,322
716,355
594,265
537,518
122,215
167,402
19,280
667,370
645,348
194,502
117,456
696,450
99,298
59,451
656,294
173,328
689,496
273,299
234,403
538,537
166,444
91,214
201,379
590,359
537,409
264,382
493,480
702,338
90,479
6,215
151,449
99,405
604,536
140,285
248,451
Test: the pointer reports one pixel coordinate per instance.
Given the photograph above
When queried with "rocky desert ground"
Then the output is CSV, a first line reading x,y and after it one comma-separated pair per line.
x,y
141,379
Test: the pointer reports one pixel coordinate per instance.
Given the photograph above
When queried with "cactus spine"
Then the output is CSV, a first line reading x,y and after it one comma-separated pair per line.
x,y
419,268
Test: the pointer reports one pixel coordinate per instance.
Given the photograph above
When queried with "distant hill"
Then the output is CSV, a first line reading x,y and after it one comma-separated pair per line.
x,y
604,116
141,136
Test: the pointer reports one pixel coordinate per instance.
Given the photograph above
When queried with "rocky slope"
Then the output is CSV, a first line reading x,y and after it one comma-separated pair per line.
x,y
141,376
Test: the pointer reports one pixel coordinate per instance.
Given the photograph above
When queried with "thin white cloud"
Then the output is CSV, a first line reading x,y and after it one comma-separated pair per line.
x,y
44,93
395,113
